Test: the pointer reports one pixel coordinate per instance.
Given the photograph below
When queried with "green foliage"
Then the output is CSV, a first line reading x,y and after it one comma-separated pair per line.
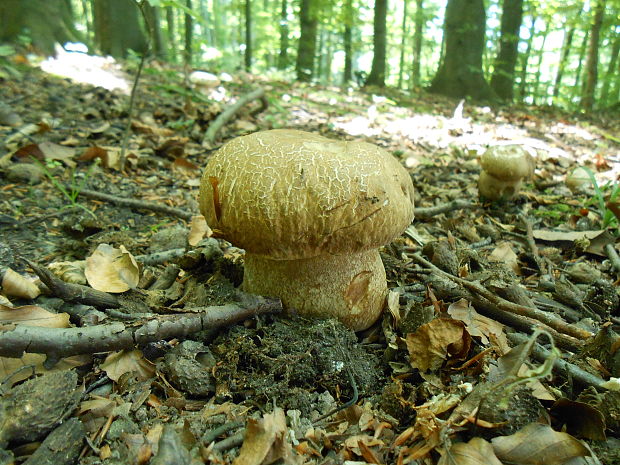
x,y
602,195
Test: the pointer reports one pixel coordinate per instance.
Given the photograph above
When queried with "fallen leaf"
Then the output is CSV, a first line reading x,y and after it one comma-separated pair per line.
x,y
16,285
198,230
112,270
436,342
117,364
475,452
538,444
265,441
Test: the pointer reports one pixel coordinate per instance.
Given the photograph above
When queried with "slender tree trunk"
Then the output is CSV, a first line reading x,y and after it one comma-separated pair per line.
x,y
403,45
283,55
117,28
377,72
172,43
348,52
460,74
503,77
152,17
566,47
308,22
611,68
587,98
578,70
329,56
319,52
189,26
248,35
536,93
418,36
526,58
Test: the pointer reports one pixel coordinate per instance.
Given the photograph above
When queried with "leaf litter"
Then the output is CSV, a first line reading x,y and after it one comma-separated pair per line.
x,y
436,381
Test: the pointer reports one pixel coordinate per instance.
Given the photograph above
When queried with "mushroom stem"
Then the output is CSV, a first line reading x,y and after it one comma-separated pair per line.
x,y
349,287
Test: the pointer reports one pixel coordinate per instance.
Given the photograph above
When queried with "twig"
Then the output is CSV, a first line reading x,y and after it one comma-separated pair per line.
x,y
37,219
211,435
137,204
532,244
229,112
610,250
64,342
158,258
428,212
548,319
74,292
563,366
230,442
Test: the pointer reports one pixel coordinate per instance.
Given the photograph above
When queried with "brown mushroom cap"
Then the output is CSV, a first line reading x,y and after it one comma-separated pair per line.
x,y
288,194
311,213
507,162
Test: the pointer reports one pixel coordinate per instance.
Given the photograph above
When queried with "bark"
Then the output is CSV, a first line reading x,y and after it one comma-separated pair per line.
x,y
170,22
460,74
582,54
377,72
117,28
503,78
418,36
405,33
152,17
347,40
189,26
566,48
17,16
526,58
308,22
536,92
611,69
283,55
587,98
248,35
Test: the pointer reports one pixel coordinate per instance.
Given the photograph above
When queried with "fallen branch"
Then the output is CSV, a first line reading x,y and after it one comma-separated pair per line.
x,y
548,319
229,112
428,212
57,343
137,204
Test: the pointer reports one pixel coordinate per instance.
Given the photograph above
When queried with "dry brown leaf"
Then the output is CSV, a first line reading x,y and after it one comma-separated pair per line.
x,y
538,444
436,342
33,315
475,452
16,285
503,253
11,372
198,230
127,361
69,272
477,325
53,151
265,441
112,270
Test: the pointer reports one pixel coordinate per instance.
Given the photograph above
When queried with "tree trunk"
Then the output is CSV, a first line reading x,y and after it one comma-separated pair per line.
x,y
117,29
582,54
503,77
36,17
347,42
418,36
172,43
283,55
377,72
403,44
587,98
153,23
566,47
189,27
248,35
536,93
611,69
526,58
460,73
308,23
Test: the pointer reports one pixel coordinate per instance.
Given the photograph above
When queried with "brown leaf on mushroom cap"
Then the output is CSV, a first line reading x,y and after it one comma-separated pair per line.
x,y
290,194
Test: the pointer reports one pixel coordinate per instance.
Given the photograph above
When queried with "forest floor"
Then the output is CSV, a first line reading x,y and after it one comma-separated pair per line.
x,y
151,345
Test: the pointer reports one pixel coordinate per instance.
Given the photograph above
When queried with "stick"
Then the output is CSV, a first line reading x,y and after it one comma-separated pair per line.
x,y
57,343
229,112
137,204
428,212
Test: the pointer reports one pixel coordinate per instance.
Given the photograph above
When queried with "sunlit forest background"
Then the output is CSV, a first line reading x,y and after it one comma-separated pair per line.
x,y
538,52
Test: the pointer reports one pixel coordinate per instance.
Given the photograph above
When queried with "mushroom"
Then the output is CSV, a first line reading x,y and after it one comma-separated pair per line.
x,y
311,213
503,169
579,180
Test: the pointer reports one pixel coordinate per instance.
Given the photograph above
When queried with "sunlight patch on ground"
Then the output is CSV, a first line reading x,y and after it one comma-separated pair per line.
x,y
87,69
